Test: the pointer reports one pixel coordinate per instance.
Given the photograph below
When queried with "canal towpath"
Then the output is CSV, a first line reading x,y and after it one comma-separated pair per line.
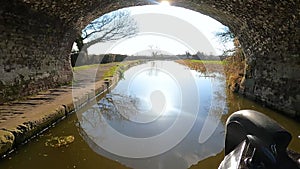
x,y
22,119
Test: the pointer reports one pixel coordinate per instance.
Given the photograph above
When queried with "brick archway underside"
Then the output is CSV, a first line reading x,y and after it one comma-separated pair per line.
x,y
37,36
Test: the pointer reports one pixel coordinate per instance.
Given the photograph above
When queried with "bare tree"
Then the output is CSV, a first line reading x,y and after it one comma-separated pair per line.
x,y
225,36
109,27
154,51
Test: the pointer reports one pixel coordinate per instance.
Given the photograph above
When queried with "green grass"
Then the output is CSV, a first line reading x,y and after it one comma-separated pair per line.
x,y
85,67
112,71
209,61
119,67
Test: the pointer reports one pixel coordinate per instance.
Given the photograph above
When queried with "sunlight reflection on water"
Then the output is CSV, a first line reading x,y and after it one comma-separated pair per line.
x,y
145,108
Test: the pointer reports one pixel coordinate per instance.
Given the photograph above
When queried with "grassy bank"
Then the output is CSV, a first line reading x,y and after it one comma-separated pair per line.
x,y
113,70
85,67
234,70
204,66
232,67
219,62
110,72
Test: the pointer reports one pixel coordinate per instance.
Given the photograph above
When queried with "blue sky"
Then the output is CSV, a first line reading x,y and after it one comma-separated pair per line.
x,y
169,29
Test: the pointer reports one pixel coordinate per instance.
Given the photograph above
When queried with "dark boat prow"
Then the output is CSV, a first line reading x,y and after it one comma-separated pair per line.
x,y
254,141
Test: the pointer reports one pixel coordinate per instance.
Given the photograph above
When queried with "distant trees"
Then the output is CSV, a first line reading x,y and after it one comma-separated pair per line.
x,y
204,56
109,27
155,51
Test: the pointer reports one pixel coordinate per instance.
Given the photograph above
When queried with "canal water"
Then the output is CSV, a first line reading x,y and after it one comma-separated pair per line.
x,y
161,114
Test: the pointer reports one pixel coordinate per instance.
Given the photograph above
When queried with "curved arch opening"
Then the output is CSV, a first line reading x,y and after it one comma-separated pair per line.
x,y
163,30
175,30
37,37
166,33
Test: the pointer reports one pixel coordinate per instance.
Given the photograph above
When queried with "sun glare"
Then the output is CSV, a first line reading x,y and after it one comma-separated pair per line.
x,y
165,3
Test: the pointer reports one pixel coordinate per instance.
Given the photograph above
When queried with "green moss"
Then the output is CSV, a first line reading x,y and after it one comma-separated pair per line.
x,y
6,141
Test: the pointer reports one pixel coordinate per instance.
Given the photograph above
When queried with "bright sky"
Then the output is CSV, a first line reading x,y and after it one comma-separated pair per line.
x,y
170,29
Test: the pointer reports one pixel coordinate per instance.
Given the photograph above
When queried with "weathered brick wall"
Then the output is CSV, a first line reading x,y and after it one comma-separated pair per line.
x,y
269,32
36,36
33,55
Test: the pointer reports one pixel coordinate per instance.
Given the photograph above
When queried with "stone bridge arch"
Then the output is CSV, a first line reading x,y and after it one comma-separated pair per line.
x,y
37,36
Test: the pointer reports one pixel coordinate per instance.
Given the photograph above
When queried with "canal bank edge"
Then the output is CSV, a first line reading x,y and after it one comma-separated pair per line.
x,y
43,116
